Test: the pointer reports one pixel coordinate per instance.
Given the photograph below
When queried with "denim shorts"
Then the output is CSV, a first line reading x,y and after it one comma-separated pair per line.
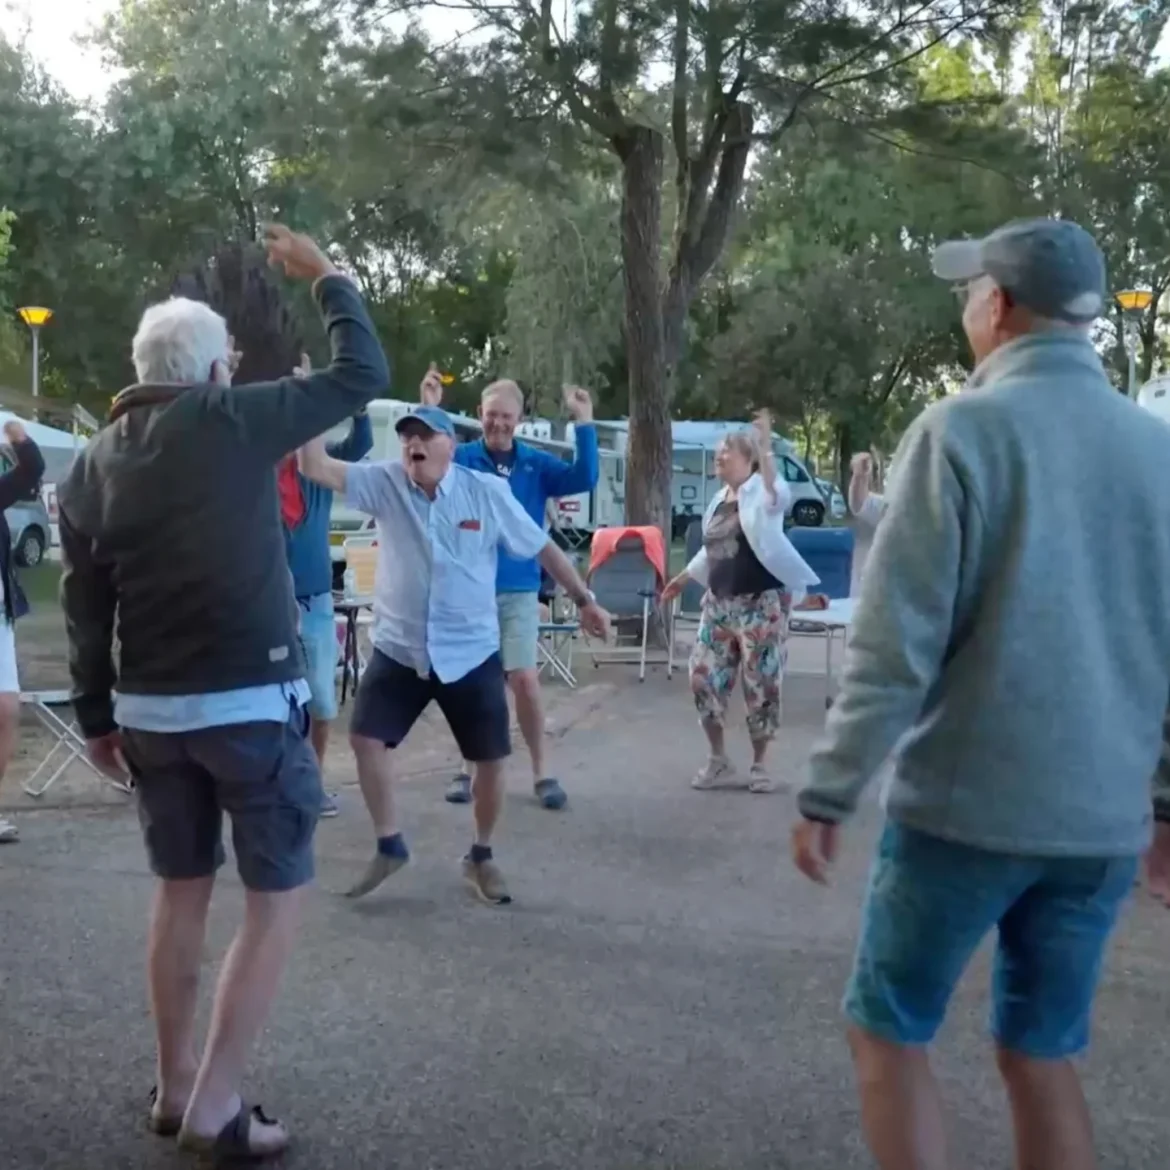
x,y
930,904
319,639
264,775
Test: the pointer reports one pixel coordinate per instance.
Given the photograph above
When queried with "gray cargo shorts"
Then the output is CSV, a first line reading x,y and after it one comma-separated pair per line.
x,y
264,775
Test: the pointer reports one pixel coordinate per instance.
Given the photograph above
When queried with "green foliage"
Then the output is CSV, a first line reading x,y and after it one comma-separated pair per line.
x,y
696,208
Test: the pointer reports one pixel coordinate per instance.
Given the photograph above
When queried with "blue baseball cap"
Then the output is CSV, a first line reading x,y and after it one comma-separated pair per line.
x,y
433,417
1051,266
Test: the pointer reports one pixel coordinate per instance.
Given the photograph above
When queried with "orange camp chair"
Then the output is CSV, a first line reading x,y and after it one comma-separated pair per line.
x,y
627,570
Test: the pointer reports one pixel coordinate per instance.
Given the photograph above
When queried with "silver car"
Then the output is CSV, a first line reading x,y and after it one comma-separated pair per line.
x,y
28,521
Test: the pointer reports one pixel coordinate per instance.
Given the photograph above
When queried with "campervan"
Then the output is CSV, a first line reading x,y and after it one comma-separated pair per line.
x,y
694,482
572,519
1155,397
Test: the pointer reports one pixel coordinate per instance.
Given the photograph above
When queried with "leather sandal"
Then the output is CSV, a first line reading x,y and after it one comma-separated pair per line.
x,y
233,1143
160,1123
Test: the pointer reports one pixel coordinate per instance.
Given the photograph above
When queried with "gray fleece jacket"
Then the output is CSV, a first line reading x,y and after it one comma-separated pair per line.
x,y
1011,644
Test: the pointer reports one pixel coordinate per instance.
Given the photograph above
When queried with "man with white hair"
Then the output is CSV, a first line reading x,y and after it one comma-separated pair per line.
x,y
534,477
1026,721
170,526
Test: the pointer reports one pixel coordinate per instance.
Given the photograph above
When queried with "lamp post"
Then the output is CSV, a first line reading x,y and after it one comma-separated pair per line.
x,y
1133,302
34,317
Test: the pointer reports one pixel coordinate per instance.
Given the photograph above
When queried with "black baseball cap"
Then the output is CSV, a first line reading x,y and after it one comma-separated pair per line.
x,y
1051,266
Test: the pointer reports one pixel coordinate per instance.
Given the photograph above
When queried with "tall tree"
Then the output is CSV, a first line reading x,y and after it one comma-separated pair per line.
x,y
738,74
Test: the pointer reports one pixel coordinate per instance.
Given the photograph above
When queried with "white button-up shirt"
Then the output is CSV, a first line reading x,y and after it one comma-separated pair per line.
x,y
435,586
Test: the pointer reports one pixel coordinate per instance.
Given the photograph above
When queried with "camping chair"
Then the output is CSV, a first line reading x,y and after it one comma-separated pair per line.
x,y
626,583
354,610
554,648
688,605
54,711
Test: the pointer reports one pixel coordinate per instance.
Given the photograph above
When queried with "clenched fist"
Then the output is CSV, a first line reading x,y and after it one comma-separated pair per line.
x,y
862,464
430,389
579,403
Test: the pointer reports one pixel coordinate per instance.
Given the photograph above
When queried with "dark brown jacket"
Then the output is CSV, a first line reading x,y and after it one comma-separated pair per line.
x,y
170,525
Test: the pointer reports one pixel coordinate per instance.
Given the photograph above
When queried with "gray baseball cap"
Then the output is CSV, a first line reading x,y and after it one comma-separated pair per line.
x,y
1051,266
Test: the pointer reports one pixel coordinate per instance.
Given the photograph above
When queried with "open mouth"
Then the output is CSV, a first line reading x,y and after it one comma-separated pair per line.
x,y
417,457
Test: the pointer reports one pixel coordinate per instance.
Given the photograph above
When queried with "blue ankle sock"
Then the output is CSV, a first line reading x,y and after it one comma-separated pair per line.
x,y
480,853
393,846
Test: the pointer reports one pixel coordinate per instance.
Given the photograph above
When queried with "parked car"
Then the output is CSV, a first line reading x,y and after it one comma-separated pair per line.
x,y
837,506
28,521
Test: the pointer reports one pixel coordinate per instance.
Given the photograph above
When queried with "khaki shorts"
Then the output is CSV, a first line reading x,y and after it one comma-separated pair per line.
x,y
519,629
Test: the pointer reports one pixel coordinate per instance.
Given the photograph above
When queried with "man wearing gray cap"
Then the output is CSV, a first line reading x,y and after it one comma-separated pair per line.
x,y
436,630
1026,721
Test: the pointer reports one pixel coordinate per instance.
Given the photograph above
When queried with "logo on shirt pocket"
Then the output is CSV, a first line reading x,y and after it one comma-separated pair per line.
x,y
469,525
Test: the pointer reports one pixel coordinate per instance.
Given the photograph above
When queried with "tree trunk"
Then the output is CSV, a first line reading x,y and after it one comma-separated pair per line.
x,y
650,462
845,452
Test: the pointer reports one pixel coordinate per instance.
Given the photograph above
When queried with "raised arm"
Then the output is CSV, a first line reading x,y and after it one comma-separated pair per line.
x,y
777,493
89,599
278,417
357,444
19,481
567,479
316,463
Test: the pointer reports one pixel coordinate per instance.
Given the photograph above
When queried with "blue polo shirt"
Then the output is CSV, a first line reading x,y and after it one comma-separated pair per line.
x,y
535,477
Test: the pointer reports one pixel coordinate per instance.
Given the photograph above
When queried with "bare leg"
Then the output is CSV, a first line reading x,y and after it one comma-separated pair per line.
x,y
487,795
900,1106
319,734
247,986
9,729
759,751
375,769
525,685
178,925
714,733
1052,1126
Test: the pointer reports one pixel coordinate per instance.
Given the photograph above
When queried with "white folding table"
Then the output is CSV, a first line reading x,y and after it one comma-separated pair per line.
x,y
831,624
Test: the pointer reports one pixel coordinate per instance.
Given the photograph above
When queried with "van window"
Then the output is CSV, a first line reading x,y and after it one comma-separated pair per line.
x,y
793,472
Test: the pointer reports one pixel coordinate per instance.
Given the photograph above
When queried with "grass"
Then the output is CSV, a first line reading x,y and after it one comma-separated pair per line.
x,y
40,584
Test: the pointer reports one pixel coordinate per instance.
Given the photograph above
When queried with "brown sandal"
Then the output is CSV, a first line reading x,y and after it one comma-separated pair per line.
x,y
233,1143
160,1123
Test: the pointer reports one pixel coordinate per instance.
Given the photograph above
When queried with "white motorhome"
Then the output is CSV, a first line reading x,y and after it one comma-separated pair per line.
x,y
1155,397
694,481
574,518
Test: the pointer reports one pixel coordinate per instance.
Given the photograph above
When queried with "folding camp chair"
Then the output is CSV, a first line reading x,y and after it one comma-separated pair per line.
x,y
626,584
353,610
554,649
68,743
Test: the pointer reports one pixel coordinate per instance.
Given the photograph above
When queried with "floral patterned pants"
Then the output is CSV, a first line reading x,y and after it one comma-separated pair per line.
x,y
747,635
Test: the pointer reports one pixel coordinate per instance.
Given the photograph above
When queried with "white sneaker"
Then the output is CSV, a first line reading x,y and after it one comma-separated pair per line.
x,y
8,832
719,772
759,780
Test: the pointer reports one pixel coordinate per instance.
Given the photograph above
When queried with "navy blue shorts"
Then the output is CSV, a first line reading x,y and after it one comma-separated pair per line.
x,y
391,697
264,775
932,902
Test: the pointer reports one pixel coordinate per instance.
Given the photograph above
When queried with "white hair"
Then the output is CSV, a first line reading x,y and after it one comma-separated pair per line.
x,y
178,342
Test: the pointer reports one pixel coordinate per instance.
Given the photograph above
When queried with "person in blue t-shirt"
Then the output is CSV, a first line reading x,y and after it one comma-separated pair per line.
x,y
535,477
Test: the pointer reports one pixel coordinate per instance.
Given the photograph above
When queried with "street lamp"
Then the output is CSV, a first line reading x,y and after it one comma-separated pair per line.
x,y
1133,302
34,317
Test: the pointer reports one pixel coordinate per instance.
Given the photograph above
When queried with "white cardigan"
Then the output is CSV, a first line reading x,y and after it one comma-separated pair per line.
x,y
763,527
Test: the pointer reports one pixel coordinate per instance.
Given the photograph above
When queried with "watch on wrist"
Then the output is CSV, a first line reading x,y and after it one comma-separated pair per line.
x,y
584,599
